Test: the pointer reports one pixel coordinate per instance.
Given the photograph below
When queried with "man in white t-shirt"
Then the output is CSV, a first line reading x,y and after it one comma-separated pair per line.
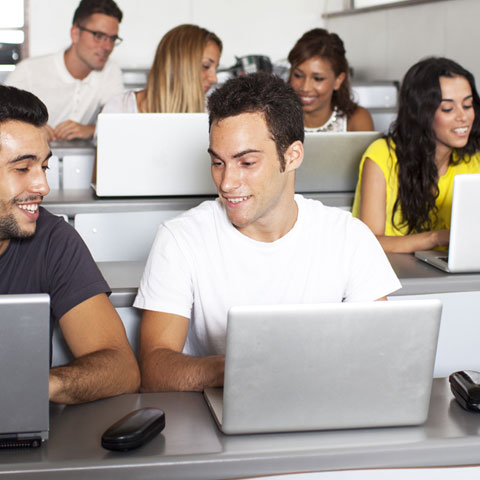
x,y
258,243
75,83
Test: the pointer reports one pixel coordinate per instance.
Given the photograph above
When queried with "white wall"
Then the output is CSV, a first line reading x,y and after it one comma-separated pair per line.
x,y
382,45
268,27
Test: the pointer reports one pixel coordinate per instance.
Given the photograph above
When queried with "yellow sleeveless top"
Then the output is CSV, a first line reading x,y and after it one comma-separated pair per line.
x,y
386,159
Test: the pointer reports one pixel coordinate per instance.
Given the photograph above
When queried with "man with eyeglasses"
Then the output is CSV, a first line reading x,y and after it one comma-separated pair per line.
x,y
77,82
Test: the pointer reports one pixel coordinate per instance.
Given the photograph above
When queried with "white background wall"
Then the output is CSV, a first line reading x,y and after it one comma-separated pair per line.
x,y
384,44
267,27
380,45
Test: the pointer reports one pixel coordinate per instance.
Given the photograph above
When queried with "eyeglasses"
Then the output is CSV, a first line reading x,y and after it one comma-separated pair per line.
x,y
101,37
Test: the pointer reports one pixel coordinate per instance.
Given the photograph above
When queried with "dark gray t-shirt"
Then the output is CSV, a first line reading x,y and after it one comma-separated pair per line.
x,y
54,261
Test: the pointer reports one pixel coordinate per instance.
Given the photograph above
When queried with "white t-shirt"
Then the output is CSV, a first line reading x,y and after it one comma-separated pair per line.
x,y
200,265
125,102
67,98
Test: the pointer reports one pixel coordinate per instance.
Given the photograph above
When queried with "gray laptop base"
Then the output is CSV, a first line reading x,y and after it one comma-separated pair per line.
x,y
327,366
24,369
463,254
436,258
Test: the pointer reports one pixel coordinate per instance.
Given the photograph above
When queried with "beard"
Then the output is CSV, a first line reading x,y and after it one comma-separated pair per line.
x,y
9,229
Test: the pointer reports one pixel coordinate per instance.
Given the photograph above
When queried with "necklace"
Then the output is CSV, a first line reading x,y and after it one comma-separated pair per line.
x,y
330,126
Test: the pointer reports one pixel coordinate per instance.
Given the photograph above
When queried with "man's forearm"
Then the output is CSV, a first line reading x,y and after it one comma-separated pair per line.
x,y
164,370
97,375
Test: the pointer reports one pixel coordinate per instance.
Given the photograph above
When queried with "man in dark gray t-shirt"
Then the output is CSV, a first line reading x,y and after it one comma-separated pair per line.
x,y
41,253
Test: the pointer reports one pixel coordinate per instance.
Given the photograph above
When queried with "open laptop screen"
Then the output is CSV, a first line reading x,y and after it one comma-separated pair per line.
x,y
24,368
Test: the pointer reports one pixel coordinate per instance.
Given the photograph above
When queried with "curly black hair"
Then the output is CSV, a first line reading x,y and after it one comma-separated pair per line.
x,y
415,141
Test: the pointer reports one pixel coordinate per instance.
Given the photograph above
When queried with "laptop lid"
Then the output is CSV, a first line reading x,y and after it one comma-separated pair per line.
x,y
327,366
24,369
463,253
331,161
153,154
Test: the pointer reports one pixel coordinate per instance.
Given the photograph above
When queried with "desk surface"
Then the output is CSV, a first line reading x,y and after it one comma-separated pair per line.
x,y
192,447
72,147
71,202
416,277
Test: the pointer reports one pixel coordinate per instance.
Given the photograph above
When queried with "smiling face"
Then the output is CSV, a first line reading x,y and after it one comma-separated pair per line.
x,y
454,117
90,53
210,59
314,81
257,195
24,154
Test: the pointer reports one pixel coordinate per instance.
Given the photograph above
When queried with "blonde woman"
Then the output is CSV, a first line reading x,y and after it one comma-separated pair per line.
x,y
183,70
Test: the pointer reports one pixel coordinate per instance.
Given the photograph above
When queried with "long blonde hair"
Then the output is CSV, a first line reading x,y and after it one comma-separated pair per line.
x,y
174,83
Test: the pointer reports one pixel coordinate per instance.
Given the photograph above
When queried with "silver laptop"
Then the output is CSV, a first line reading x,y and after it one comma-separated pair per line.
x,y
327,366
153,154
331,161
463,254
24,369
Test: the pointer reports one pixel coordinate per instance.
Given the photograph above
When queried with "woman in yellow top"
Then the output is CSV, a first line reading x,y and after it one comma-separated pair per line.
x,y
404,191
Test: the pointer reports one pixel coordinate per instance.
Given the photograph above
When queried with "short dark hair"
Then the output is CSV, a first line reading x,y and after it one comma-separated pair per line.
x,y
89,7
261,93
22,106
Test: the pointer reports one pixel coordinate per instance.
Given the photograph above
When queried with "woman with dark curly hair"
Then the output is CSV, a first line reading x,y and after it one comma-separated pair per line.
x,y
405,186
319,73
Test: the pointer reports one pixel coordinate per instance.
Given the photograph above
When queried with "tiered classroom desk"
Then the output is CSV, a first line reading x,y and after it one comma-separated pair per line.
x,y
191,446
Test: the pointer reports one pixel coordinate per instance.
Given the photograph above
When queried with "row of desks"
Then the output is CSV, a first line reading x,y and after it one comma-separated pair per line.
x,y
460,293
191,446
72,202
416,277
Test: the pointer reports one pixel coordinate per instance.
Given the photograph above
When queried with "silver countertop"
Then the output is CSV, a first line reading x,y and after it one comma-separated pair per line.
x,y
71,202
418,277
415,276
191,446
72,147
